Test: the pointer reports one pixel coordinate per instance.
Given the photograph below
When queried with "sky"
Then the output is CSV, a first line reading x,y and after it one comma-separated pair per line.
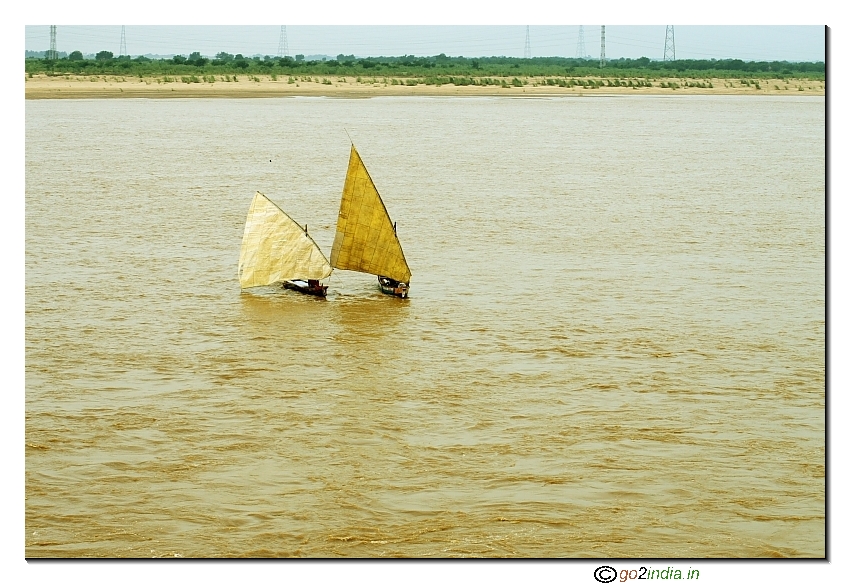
x,y
750,43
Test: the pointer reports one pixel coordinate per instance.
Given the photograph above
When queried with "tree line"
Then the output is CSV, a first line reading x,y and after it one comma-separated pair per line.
x,y
105,62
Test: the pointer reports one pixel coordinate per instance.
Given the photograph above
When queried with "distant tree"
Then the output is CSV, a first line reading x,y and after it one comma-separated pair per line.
x,y
197,60
412,66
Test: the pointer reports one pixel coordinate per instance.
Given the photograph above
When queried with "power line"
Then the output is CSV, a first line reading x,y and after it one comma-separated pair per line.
x,y
476,41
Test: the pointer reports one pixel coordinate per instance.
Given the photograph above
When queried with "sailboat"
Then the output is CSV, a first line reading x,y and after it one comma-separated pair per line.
x,y
366,238
277,250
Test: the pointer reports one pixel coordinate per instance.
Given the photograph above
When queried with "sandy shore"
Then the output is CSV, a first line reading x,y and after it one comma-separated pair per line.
x,y
84,87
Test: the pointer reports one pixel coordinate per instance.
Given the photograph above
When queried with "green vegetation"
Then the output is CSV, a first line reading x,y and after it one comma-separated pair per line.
x,y
436,70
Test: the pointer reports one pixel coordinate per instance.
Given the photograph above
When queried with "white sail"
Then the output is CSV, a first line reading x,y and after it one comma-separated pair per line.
x,y
365,238
275,248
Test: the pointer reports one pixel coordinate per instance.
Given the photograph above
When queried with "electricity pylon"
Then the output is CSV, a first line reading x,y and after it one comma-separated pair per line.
x,y
52,54
283,44
122,51
602,49
669,44
527,52
580,52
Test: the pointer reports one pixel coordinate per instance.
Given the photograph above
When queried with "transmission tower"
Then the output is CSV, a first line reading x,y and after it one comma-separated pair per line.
x,y
122,51
52,54
602,49
669,45
580,52
527,53
283,44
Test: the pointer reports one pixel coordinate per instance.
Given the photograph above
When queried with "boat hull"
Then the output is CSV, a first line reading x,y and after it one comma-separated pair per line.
x,y
303,287
393,288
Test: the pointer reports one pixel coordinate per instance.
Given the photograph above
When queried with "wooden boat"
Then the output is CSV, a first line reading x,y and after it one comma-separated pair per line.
x,y
393,287
277,250
366,238
311,287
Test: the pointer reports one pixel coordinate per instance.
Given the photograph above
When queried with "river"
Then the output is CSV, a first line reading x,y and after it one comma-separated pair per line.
x,y
614,343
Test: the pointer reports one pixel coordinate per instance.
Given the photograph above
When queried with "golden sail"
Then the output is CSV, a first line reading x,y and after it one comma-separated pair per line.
x,y
275,248
365,236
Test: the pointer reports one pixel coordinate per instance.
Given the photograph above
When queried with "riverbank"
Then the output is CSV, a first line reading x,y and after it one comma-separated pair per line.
x,y
233,86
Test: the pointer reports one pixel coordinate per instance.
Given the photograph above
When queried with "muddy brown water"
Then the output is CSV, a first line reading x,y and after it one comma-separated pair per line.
x,y
614,343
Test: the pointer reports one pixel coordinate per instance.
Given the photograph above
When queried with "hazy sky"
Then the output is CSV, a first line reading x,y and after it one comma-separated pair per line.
x,y
792,43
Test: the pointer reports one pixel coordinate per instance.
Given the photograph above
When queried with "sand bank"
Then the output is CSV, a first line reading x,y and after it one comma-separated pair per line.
x,y
110,86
